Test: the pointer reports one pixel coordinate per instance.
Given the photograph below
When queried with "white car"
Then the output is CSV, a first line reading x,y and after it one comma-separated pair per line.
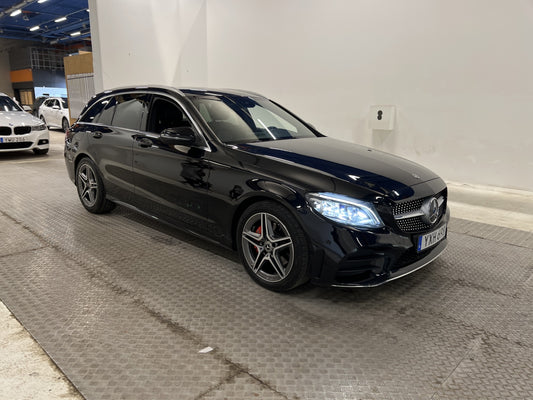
x,y
20,130
54,113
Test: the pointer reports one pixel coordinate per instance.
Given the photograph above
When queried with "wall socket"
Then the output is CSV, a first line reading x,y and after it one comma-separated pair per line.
x,y
382,117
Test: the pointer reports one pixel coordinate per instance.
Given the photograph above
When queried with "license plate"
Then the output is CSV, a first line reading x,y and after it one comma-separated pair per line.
x,y
11,139
431,238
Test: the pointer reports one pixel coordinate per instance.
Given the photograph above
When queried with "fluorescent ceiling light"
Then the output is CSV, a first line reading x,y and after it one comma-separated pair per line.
x,y
15,13
75,34
34,28
41,1
61,19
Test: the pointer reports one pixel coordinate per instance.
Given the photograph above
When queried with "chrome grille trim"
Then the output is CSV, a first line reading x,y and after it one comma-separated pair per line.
x,y
409,215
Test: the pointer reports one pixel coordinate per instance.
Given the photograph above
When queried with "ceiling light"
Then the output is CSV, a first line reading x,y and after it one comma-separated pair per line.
x,y
61,19
75,34
15,13
41,1
34,28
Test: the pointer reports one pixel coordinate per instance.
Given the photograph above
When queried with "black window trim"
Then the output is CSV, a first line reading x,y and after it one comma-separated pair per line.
x,y
203,146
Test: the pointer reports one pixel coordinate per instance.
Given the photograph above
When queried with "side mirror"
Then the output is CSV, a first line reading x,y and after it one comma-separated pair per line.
x,y
179,136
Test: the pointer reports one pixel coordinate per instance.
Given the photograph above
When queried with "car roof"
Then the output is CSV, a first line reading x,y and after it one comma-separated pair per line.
x,y
178,90
169,90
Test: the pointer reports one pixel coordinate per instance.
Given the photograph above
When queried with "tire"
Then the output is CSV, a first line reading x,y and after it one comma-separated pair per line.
x,y
91,189
40,152
44,121
273,247
65,125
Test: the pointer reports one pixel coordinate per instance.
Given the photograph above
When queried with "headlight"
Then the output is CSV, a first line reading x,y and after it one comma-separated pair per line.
x,y
345,210
40,127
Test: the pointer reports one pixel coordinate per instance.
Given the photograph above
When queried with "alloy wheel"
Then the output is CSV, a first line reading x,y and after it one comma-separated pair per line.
x,y
87,185
267,247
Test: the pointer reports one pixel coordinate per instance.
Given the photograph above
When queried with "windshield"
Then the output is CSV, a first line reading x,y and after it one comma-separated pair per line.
x,y
7,104
238,119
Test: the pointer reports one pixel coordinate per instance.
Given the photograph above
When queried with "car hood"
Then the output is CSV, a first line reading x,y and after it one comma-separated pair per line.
x,y
364,167
18,118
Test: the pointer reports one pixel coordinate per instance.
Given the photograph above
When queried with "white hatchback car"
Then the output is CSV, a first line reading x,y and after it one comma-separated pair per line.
x,y
20,130
54,112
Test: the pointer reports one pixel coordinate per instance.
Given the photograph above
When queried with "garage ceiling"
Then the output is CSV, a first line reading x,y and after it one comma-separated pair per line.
x,y
44,18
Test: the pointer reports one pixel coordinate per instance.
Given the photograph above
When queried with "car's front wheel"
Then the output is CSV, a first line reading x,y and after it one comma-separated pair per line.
x,y
273,247
65,125
91,189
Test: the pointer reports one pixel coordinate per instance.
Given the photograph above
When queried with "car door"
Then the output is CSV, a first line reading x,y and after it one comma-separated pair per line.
x,y
58,113
171,181
45,109
111,125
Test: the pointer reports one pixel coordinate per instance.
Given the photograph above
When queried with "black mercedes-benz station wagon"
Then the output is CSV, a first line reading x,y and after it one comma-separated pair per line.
x,y
234,167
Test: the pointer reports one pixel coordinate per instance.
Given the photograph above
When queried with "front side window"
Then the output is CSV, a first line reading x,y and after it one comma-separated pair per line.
x,y
7,104
239,119
166,114
49,103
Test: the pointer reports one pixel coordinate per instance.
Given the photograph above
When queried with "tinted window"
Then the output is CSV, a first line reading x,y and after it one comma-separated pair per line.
x,y
49,103
100,113
239,119
166,114
129,110
64,102
6,104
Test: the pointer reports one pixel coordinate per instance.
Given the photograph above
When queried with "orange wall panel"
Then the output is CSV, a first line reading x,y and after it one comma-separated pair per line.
x,y
21,75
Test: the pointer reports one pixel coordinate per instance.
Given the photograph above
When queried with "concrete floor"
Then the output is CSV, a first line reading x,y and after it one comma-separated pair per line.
x,y
123,322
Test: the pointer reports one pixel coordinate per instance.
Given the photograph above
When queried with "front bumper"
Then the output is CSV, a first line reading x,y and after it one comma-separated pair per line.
x,y
347,258
33,140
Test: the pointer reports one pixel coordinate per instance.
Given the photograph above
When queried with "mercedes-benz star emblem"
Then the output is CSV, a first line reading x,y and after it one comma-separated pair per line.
x,y
430,208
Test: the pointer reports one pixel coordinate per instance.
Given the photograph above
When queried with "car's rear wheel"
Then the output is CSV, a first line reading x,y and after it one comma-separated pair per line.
x,y
91,189
273,248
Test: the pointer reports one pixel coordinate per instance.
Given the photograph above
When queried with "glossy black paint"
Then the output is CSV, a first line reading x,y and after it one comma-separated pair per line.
x,y
205,186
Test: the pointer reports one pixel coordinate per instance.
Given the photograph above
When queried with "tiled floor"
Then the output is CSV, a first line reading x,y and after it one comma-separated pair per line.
x,y
123,305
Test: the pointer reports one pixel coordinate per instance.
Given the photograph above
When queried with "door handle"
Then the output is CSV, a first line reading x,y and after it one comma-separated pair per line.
x,y
97,135
144,142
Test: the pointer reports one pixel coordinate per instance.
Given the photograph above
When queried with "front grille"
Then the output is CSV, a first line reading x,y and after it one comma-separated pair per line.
x,y
416,224
22,130
5,131
16,145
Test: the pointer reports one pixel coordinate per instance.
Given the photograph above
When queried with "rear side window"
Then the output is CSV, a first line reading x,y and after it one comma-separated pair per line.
x,y
129,110
125,111
100,113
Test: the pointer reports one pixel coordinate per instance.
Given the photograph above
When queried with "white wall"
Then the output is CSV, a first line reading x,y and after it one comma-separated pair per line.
x,y
458,71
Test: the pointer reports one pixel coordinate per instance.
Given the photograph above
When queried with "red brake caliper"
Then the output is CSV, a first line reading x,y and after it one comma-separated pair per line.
x,y
258,230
